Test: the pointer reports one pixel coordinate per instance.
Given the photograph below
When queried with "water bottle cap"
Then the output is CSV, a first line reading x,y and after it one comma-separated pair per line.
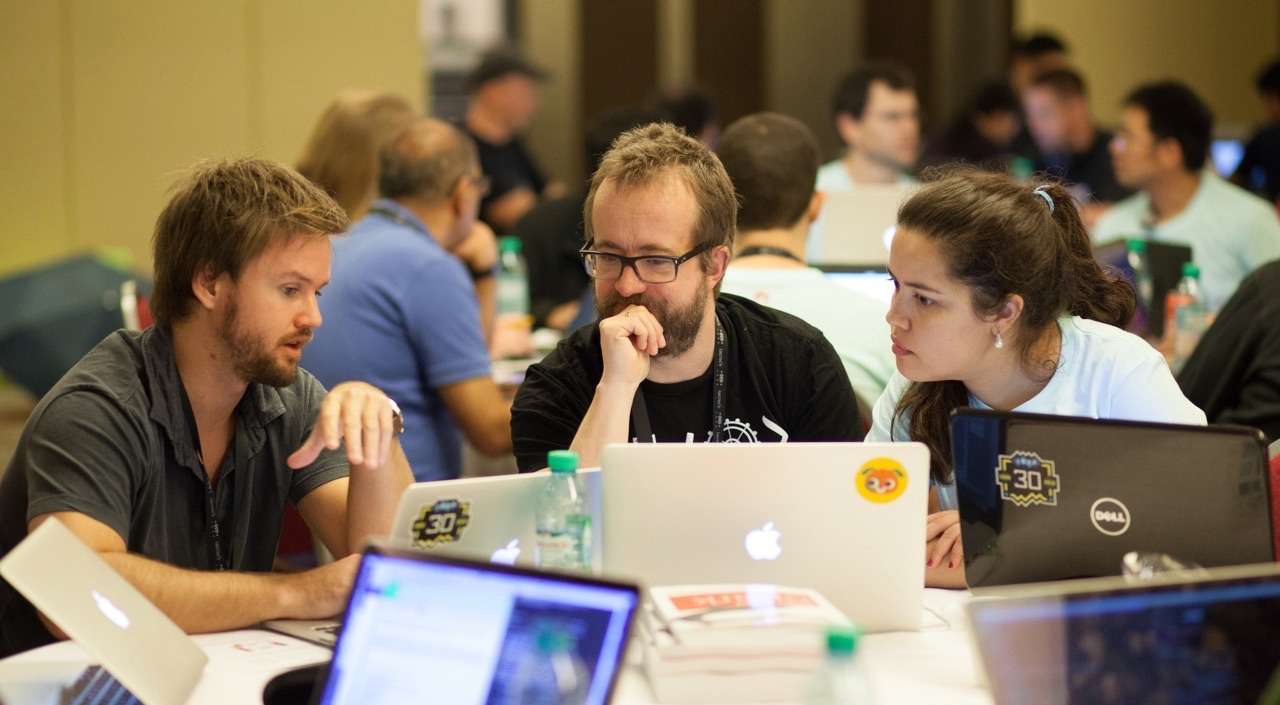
x,y
1136,245
552,641
1191,269
562,461
510,243
842,641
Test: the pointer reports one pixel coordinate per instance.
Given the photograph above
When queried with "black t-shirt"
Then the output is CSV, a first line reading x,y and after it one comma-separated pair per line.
x,y
551,234
1259,169
783,382
111,441
1091,169
508,166
1234,373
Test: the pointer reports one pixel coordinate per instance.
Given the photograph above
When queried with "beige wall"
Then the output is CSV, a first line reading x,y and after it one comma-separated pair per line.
x,y
116,98
551,34
1216,47
807,52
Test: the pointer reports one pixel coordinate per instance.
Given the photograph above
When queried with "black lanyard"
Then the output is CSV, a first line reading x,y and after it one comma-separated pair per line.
x,y
640,411
767,250
210,507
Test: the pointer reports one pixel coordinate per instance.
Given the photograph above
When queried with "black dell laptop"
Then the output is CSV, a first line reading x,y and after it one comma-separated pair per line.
x,y
1053,497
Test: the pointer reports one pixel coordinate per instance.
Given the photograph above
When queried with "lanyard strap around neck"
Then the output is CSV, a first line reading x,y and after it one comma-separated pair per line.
x,y
768,250
220,561
640,411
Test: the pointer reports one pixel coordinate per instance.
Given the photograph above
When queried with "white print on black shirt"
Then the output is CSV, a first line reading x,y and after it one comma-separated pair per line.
x,y
739,431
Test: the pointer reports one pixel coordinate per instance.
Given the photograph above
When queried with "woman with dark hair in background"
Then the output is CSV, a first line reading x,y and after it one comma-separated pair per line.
x,y
1000,304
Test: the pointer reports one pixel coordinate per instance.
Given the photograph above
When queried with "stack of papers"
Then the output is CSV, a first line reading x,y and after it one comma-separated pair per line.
x,y
734,643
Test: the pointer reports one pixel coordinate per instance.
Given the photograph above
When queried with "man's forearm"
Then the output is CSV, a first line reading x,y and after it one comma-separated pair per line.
x,y
487,298
372,496
606,421
206,601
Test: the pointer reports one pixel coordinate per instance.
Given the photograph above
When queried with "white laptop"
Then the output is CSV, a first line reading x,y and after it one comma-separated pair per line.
x,y
480,518
846,519
858,225
116,625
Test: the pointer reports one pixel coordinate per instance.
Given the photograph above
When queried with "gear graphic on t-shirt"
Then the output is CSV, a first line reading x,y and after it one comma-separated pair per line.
x,y
739,431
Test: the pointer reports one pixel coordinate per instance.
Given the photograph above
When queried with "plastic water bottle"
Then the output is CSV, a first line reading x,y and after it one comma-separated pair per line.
x,y
513,278
1141,266
551,673
841,680
563,517
1186,315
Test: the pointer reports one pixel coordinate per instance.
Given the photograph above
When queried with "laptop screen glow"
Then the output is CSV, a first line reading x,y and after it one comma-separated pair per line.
x,y
421,631
1206,643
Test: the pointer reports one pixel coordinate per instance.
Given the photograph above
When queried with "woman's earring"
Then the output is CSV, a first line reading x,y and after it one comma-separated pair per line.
x,y
999,341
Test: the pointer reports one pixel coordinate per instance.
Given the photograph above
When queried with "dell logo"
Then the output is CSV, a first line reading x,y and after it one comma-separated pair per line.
x,y
1109,516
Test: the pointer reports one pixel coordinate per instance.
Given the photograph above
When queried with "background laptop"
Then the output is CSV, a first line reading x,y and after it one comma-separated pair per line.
x,y
131,638
846,519
1053,497
1209,640
857,226
1166,260
870,281
422,628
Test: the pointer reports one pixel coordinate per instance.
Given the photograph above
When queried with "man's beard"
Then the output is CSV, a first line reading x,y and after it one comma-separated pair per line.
x,y
679,326
251,357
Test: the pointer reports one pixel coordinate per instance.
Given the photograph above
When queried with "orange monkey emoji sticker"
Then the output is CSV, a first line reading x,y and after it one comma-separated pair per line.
x,y
882,480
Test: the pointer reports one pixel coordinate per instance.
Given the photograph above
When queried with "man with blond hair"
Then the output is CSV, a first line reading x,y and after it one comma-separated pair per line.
x,y
670,359
172,451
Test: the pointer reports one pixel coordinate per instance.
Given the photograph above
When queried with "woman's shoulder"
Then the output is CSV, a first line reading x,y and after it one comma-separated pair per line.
x,y
1102,342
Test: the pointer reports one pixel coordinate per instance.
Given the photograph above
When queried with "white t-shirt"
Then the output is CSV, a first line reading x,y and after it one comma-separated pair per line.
x,y
1103,373
1231,232
853,323
833,177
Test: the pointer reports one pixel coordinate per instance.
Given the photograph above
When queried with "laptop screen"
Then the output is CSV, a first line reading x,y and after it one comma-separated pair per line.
x,y
424,630
874,283
1209,642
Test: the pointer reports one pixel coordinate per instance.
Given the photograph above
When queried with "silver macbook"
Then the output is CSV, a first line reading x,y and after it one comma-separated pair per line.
x,y
846,519
480,518
857,226
139,648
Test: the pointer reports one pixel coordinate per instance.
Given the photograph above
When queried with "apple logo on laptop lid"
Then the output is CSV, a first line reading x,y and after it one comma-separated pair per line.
x,y
507,555
762,544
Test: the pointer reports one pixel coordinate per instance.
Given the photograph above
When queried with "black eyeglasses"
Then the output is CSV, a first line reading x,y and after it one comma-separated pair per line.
x,y
650,269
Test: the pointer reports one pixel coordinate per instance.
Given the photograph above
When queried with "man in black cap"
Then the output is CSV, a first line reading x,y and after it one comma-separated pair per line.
x,y
503,99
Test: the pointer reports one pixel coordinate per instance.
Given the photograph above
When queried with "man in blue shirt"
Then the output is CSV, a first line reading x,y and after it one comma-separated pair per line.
x,y
402,311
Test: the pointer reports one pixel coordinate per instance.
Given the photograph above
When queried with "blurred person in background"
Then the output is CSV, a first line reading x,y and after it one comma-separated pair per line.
x,y
983,135
1160,149
403,310
341,155
503,102
1259,169
1071,147
693,111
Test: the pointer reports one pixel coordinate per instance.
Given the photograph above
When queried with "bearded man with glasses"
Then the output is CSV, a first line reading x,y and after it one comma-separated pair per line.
x,y
671,359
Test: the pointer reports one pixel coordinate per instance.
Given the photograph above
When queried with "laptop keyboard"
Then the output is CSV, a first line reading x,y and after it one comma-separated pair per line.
x,y
96,686
330,629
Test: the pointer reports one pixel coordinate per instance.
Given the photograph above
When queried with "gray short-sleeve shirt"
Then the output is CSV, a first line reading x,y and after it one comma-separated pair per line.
x,y
112,441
